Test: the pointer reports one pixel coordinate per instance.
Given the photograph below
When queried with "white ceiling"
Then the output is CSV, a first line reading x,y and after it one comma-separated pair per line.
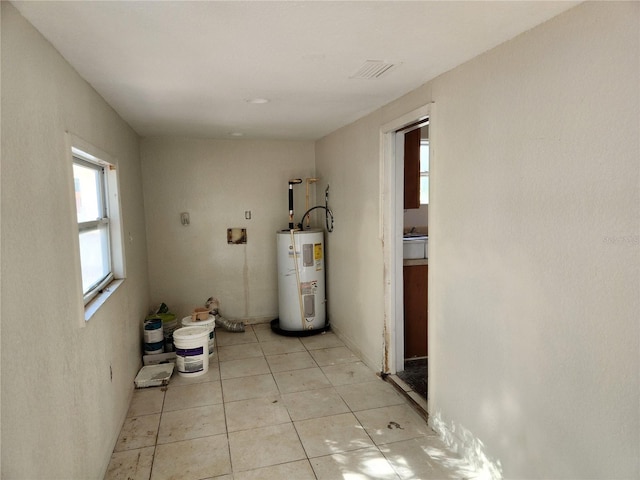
x,y
187,68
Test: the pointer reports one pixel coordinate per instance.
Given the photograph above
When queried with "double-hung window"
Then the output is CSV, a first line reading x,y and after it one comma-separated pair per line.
x,y
92,206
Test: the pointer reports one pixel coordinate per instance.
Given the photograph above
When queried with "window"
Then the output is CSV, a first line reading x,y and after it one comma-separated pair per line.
x,y
424,172
99,231
93,225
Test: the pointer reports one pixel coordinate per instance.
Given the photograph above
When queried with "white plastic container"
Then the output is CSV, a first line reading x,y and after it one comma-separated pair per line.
x,y
153,336
167,357
169,325
192,351
210,323
154,375
414,248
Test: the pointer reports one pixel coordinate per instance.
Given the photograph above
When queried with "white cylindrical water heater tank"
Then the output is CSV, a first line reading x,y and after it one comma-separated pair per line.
x,y
301,290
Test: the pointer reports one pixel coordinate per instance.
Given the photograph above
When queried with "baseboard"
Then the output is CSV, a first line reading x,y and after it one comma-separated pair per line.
x,y
252,320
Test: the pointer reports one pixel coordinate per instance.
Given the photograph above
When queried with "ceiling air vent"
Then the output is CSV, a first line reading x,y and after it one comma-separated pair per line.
x,y
373,69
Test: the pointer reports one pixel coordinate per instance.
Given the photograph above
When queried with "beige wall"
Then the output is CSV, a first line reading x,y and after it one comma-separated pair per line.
x,y
534,234
61,412
534,247
216,181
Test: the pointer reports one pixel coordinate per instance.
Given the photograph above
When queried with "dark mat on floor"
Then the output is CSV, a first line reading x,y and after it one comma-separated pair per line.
x,y
415,375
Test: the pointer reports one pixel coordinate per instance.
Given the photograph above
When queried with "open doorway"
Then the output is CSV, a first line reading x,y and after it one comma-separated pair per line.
x,y
415,269
393,229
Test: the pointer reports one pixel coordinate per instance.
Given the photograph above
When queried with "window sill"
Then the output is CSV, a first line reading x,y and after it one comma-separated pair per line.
x,y
94,305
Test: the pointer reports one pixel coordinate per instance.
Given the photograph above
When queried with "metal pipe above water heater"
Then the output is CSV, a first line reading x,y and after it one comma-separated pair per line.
x,y
292,182
309,181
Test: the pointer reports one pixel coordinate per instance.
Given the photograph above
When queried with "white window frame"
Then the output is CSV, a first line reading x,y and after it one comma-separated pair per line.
x,y
83,152
80,158
425,173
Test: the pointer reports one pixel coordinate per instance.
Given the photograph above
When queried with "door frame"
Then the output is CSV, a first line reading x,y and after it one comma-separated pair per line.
x,y
391,225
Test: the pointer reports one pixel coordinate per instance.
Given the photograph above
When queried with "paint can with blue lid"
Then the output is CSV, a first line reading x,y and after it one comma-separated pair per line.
x,y
153,336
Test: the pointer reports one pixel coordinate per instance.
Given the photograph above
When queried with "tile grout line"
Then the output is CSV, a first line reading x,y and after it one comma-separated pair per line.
x,y
224,415
155,446
280,395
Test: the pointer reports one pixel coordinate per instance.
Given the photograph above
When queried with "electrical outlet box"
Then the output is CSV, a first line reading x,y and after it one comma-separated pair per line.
x,y
236,236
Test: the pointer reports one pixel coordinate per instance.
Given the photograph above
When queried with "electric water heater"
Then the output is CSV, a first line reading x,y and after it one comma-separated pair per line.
x,y
301,280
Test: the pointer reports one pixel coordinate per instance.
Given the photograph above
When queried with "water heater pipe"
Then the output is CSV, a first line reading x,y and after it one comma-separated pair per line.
x,y
298,283
306,205
328,213
292,182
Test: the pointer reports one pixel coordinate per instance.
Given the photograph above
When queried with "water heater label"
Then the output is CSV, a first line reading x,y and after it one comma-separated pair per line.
x,y
307,261
317,255
308,288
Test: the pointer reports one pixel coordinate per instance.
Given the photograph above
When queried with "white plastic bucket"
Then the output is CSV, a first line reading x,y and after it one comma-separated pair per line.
x,y
153,336
210,323
168,327
191,351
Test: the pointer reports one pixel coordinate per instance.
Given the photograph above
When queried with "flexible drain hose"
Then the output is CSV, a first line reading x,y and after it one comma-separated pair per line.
x,y
295,261
212,304
228,325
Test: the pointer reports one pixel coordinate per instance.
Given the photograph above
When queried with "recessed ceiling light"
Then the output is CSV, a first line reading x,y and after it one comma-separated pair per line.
x,y
257,101
236,134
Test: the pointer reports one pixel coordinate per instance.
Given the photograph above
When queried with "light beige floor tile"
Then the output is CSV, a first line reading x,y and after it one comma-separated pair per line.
x,y
282,345
368,395
290,361
348,373
322,340
243,388
212,374
300,470
243,368
196,395
263,447
393,424
264,333
426,457
255,413
262,442
191,423
300,380
333,356
314,403
146,401
363,464
138,432
334,434
192,459
237,352
130,465
224,338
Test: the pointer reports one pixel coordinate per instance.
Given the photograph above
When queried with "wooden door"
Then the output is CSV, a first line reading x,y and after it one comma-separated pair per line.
x,y
412,169
415,311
